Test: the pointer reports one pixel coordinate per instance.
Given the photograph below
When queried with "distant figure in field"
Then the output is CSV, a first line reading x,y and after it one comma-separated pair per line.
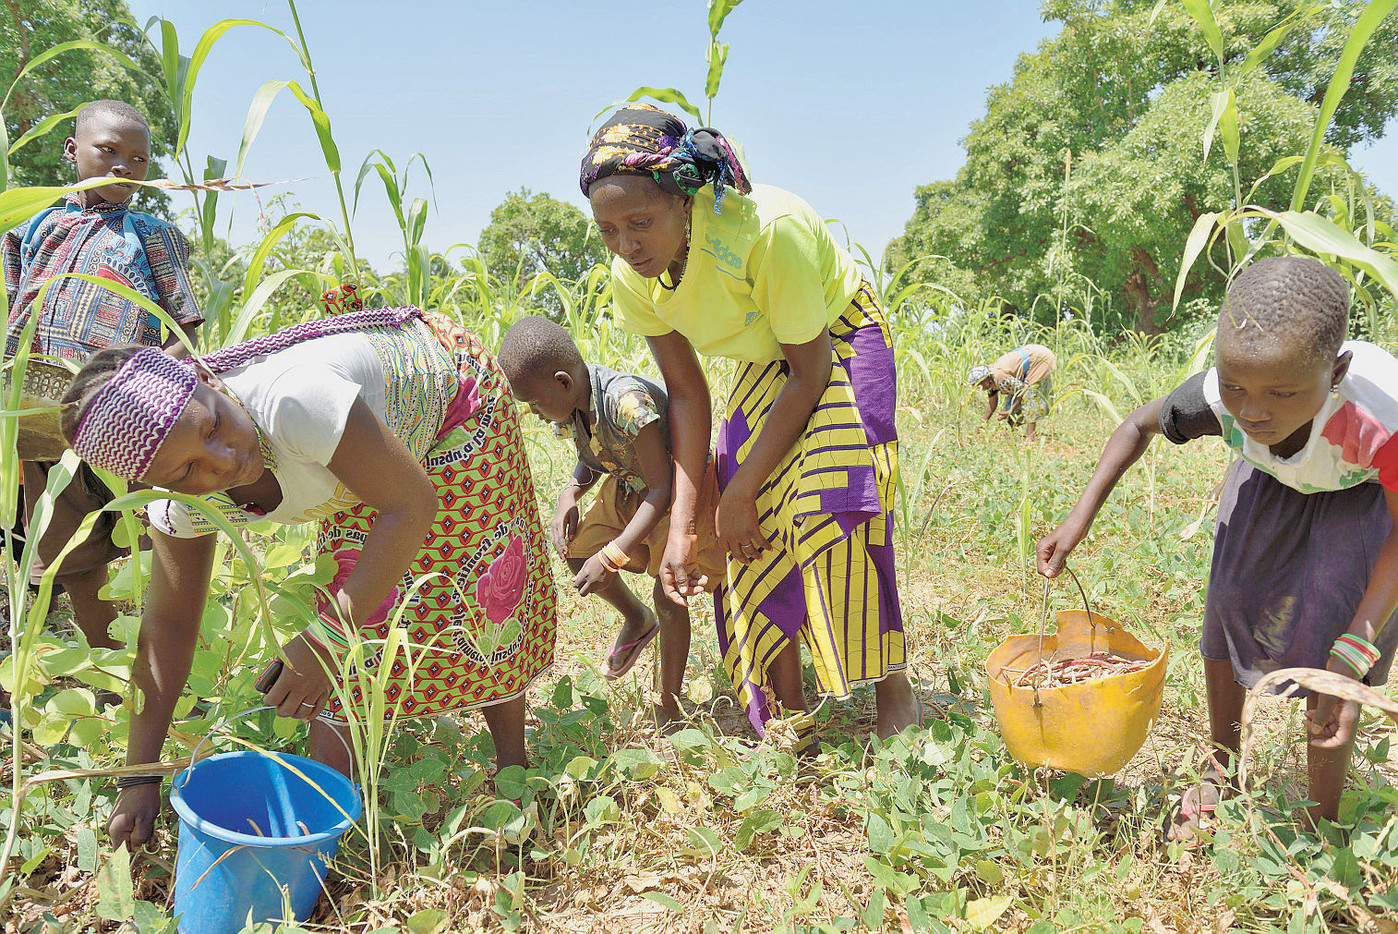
x,y
1024,375
1305,562
93,232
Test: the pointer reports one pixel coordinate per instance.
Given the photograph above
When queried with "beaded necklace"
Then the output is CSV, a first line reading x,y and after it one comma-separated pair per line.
x,y
684,264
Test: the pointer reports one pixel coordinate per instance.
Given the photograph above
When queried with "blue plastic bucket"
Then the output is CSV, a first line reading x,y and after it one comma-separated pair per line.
x,y
254,838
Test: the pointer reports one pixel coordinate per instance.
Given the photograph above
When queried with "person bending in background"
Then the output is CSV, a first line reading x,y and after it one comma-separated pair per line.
x,y
1305,562
395,430
619,424
807,449
94,232
1024,376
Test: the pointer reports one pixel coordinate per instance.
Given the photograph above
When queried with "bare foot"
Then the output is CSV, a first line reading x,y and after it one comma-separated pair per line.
x,y
1190,818
669,718
898,705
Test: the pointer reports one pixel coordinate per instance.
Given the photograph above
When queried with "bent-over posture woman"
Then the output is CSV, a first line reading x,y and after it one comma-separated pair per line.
x,y
392,428
807,449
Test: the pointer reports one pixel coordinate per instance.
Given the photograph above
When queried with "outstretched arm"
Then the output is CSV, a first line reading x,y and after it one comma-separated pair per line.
x,y
809,365
1124,448
180,571
1332,723
658,473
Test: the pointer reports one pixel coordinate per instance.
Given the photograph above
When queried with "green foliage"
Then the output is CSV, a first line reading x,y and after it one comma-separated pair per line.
x,y
1123,90
936,830
533,233
54,90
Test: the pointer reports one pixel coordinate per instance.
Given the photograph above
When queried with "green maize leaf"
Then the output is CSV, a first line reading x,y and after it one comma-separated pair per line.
x,y
1203,13
1364,28
1228,128
190,78
1269,42
1193,246
17,205
256,300
1218,102
328,149
43,126
664,95
717,57
9,428
1322,235
257,113
417,220
718,12
58,50
269,242
169,57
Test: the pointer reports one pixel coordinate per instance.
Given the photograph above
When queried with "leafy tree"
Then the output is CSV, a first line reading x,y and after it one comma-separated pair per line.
x,y
1089,166
28,28
530,233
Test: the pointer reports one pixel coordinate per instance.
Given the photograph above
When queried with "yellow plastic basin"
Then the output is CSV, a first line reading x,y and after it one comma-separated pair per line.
x,y
1092,728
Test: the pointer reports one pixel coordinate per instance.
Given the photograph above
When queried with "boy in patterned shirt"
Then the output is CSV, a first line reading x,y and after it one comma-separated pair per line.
x,y
618,422
93,232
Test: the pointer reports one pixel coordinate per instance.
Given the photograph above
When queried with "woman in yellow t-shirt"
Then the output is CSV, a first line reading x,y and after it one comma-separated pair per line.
x,y
807,449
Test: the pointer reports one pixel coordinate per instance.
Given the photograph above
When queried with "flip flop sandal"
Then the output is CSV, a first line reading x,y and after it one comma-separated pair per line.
x,y
1191,810
635,648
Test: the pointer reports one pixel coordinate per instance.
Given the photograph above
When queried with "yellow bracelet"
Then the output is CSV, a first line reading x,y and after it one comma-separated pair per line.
x,y
613,558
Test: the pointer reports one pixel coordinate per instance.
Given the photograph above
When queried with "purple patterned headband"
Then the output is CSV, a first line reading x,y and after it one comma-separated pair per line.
x,y
129,418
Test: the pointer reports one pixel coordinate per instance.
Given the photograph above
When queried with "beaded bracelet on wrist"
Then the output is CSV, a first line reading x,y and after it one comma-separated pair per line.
x,y
1357,663
613,558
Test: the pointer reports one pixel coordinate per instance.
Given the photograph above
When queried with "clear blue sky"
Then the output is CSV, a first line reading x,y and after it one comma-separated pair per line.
x,y
849,105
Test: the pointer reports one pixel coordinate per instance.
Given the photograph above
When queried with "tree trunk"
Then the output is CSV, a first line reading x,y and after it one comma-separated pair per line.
x,y
1137,289
20,104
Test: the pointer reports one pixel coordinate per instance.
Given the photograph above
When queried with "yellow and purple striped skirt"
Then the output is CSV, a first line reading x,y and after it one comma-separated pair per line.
x,y
829,580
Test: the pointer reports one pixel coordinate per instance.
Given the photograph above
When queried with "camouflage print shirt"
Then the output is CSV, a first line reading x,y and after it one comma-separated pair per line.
x,y
620,406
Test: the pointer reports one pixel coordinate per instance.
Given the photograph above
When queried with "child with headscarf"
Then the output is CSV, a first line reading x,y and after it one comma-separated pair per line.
x,y
394,429
707,263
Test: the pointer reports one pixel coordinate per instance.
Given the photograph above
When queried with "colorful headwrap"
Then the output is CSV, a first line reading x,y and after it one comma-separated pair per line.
x,y
129,418
977,374
644,140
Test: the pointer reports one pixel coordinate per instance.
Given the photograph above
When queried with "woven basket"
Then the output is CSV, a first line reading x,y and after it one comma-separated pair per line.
x,y
40,437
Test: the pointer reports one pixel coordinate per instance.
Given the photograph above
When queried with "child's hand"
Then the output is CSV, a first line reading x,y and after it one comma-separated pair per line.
x,y
1331,725
565,525
303,688
593,576
1055,547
